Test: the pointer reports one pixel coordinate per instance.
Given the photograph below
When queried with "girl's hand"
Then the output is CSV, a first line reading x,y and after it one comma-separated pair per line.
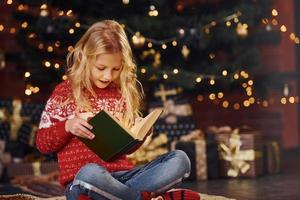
x,y
79,127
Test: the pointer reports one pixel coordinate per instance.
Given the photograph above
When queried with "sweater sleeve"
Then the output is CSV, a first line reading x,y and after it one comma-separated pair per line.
x,y
51,135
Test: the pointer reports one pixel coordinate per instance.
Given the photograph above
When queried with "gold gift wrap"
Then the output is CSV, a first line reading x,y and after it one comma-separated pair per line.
x,y
240,154
151,149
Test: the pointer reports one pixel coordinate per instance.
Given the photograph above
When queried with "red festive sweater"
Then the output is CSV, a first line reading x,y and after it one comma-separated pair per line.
x,y
71,152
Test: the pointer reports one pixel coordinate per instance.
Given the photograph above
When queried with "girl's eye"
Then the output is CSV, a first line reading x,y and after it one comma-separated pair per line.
x,y
117,69
100,69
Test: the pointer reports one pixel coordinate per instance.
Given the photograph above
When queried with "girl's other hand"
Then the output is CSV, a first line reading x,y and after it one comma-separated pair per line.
x,y
79,127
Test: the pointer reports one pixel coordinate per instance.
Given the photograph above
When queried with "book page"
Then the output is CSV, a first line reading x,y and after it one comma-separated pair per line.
x,y
141,128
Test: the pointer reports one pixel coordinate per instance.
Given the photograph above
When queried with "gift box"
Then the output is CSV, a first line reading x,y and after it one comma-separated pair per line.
x,y
196,151
240,154
272,157
212,156
35,168
176,120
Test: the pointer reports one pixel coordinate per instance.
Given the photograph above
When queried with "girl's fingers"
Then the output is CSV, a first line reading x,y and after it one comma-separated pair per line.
x,y
86,124
88,134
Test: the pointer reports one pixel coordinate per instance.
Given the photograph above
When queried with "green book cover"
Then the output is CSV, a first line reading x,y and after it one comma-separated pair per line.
x,y
112,139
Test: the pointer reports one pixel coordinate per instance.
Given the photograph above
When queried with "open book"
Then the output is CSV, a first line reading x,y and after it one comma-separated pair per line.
x,y
112,139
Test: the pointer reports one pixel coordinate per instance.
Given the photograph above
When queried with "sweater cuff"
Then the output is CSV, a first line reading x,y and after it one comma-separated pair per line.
x,y
60,130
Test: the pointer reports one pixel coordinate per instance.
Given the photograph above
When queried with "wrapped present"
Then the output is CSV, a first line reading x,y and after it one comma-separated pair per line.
x,y
272,161
212,156
35,168
240,154
212,153
194,146
176,120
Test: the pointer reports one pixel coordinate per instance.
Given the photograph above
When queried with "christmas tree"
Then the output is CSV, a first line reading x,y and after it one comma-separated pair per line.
x,y
204,46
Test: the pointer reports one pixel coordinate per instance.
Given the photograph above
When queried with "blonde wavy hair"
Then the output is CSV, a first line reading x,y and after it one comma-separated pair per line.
x,y
103,37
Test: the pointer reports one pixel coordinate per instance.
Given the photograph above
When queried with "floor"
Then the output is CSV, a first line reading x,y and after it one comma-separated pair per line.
x,y
284,186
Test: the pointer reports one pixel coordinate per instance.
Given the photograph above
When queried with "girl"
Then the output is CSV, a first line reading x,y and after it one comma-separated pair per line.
x,y
102,75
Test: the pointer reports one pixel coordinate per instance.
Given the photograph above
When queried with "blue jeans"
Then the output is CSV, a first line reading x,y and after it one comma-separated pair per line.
x,y
158,176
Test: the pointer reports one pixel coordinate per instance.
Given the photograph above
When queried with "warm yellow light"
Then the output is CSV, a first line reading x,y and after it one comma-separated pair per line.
x,y
28,92
228,23
125,2
212,82
150,44
274,12
250,82
24,25
47,64
143,70
64,77
198,79
57,44
252,100
27,74
236,76
249,93
265,103
69,13
44,13
56,65
283,100
174,43
61,13
211,55
43,6
225,104
274,22
77,24
153,13
41,46
220,95
292,36
236,20
244,85
224,72
12,30
212,96
236,106
246,103
163,46
35,89
165,76
297,41
1,27
283,28
71,31
292,99
175,71
9,2
50,49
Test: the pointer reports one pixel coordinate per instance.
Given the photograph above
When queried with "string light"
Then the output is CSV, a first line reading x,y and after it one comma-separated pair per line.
x,y
27,74
64,77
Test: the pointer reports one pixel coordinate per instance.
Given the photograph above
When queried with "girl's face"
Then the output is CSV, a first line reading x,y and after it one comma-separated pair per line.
x,y
106,69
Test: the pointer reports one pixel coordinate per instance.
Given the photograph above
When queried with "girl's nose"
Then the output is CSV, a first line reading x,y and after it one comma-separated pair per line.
x,y
108,75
